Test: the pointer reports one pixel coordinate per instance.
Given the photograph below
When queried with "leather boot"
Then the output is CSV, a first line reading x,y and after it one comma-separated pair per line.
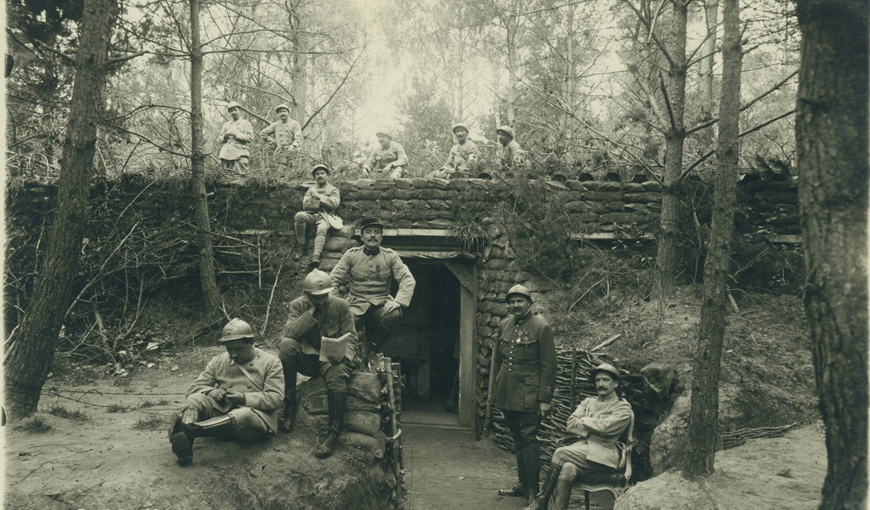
x,y
518,489
533,471
288,417
563,494
379,337
180,437
214,427
550,482
337,402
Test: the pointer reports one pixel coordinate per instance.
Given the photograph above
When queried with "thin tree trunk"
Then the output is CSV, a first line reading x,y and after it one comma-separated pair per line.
x,y
666,260
708,49
568,87
704,414
512,74
300,68
832,146
210,294
28,360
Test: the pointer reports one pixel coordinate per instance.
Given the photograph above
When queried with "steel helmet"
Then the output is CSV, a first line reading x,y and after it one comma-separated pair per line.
x,y
506,130
235,330
232,105
320,166
317,283
607,368
385,133
458,126
521,290
282,105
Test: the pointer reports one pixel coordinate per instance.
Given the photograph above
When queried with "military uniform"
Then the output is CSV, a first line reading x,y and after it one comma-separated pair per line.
x,y
263,386
368,276
300,347
512,155
234,154
285,134
600,423
461,155
525,364
318,206
380,157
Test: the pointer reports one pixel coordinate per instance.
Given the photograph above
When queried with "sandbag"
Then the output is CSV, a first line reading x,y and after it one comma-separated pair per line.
x,y
363,423
346,232
363,394
331,255
337,243
328,264
373,445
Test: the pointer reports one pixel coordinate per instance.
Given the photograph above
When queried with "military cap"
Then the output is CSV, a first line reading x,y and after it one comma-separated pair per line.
x,y
385,133
370,222
232,105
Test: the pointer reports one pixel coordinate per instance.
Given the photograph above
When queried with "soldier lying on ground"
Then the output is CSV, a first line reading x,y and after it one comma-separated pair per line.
x,y
599,421
319,205
238,395
312,316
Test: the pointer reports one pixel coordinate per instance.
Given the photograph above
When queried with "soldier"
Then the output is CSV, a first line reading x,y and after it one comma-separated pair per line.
x,y
598,421
511,153
525,364
236,134
461,155
286,134
389,157
312,316
319,205
368,271
238,394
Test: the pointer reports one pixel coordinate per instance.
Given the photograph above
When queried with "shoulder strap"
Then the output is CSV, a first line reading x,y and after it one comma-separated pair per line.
x,y
250,378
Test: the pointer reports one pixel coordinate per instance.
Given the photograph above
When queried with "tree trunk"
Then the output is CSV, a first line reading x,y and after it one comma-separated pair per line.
x,y
210,294
704,414
666,259
831,136
300,68
28,360
512,74
569,83
708,49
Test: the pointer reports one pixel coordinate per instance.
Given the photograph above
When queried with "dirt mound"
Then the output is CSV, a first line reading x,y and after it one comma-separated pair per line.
x,y
119,456
784,473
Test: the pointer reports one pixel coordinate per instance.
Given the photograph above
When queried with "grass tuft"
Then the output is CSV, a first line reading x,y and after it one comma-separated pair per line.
x,y
35,425
146,403
62,412
117,408
150,422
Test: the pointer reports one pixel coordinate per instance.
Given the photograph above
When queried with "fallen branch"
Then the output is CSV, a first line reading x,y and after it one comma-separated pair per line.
x,y
269,305
606,342
584,294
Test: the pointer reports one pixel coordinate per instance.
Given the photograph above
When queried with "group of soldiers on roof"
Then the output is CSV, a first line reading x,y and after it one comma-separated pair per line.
x,y
387,159
246,392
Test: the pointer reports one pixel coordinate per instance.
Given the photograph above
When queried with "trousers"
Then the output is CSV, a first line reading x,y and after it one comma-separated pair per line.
x,y
249,425
305,220
295,361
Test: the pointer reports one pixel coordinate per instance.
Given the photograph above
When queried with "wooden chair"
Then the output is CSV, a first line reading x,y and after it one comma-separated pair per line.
x,y
607,479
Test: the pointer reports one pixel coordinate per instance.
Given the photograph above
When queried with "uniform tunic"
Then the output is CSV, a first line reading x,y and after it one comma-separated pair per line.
x,y
380,157
600,423
238,147
461,155
512,155
286,134
525,363
263,394
329,198
369,277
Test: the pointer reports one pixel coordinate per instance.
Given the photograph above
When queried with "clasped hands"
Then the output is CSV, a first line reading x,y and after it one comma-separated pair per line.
x,y
233,397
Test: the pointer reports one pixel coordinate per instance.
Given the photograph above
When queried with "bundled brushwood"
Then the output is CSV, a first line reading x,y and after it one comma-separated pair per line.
x,y
739,437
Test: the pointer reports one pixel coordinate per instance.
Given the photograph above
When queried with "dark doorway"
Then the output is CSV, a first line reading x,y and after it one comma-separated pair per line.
x,y
427,344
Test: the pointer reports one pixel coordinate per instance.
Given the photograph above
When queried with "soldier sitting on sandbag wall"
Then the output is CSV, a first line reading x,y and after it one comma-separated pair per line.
x,y
238,395
388,158
319,205
368,272
312,316
462,154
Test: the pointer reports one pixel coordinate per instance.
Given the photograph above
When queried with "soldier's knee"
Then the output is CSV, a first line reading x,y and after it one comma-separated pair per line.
x,y
199,402
391,320
569,472
289,349
337,377
558,455
322,228
245,417
300,217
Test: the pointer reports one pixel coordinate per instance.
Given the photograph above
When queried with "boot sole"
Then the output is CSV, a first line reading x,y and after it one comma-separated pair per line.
x,y
182,448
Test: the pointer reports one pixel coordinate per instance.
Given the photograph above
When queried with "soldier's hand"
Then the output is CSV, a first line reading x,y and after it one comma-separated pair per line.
x,y
389,306
335,360
236,398
218,394
543,409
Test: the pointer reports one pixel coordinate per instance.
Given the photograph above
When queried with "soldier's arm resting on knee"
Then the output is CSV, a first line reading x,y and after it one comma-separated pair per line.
x,y
406,280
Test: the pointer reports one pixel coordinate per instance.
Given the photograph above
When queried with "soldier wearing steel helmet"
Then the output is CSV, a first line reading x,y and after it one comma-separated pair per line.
x,y
312,316
286,134
235,136
598,422
512,155
463,153
238,394
388,157
319,205
525,364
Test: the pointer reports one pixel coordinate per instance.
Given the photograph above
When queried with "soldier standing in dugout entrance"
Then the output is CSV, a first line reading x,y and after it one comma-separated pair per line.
x,y
525,364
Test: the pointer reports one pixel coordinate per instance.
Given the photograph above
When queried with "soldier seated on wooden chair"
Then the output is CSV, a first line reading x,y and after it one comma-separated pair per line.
x,y
598,421
238,394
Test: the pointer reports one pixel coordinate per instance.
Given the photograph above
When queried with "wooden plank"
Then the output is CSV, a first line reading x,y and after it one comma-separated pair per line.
x,y
785,239
605,236
416,232
467,405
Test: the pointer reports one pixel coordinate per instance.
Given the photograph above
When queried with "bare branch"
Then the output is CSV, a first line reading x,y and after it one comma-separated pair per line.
x,y
145,107
667,102
120,60
160,147
334,92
